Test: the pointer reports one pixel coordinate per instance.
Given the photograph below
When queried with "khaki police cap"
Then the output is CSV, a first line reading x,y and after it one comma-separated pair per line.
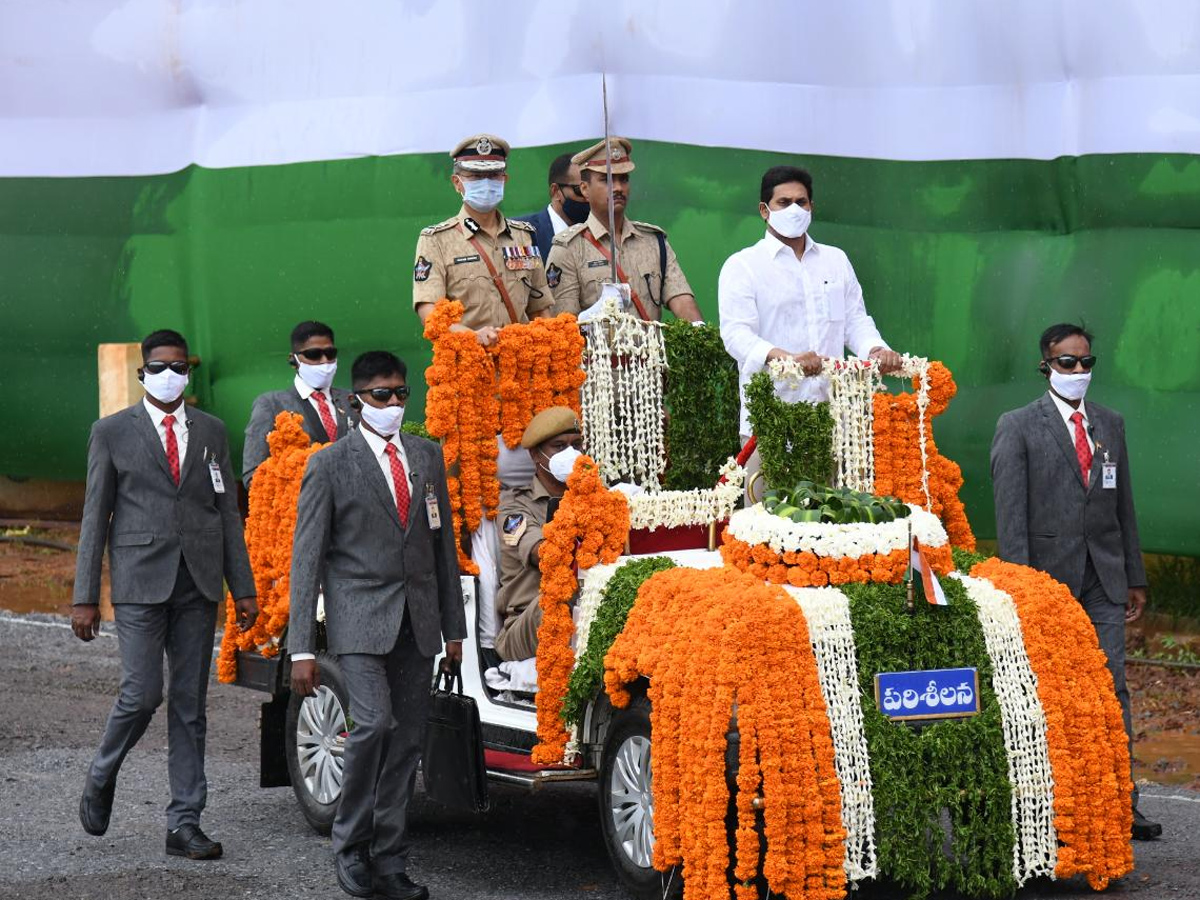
x,y
481,153
549,423
593,157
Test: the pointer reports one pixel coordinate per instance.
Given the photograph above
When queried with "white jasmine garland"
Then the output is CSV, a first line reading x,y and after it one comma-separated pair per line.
x,y
591,592
1035,849
827,612
622,398
853,384
755,525
673,509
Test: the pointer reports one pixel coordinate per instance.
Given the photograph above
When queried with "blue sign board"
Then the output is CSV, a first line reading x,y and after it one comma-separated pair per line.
x,y
929,694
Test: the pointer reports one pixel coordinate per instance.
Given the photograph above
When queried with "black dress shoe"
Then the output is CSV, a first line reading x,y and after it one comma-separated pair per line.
x,y
1144,829
188,840
96,810
354,872
399,886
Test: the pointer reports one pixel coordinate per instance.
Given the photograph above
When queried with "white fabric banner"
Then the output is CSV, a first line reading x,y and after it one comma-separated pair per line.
x,y
123,87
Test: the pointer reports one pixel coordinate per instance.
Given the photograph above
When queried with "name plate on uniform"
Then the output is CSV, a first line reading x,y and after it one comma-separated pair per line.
x,y
928,694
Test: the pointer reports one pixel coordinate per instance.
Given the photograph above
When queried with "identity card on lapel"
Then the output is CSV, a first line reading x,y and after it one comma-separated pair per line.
x,y
431,508
214,470
1108,476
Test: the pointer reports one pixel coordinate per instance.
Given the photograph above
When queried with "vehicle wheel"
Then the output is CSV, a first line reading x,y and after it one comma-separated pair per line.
x,y
316,743
627,805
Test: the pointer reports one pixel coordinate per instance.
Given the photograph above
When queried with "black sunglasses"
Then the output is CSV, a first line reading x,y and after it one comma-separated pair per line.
x,y
383,395
312,354
1067,361
574,187
158,366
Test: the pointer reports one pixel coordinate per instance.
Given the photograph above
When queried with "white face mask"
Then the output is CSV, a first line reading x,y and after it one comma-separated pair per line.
x,y
483,194
165,386
319,377
384,421
1070,387
791,221
562,463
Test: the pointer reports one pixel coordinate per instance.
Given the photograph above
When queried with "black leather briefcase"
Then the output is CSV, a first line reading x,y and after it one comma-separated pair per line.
x,y
453,767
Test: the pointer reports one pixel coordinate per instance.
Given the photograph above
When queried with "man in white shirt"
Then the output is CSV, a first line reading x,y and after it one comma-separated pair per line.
x,y
567,206
788,296
325,408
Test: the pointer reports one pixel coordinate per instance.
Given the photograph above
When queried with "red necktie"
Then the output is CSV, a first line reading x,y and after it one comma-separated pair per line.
x,y
1082,450
400,480
326,416
172,447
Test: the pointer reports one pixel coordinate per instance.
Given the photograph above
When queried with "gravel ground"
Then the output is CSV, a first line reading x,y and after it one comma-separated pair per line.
x,y
547,844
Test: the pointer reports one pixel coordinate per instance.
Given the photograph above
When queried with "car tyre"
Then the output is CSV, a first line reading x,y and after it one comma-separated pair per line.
x,y
316,741
627,805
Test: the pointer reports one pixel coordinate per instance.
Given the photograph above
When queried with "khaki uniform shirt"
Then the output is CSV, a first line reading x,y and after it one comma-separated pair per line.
x,y
522,514
448,265
576,267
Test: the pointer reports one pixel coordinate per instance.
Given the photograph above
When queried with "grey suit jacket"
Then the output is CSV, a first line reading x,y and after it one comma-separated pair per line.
x,y
133,506
1046,519
262,422
349,541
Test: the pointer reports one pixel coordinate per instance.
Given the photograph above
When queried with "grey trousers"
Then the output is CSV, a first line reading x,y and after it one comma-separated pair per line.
x,y
1108,618
389,705
181,628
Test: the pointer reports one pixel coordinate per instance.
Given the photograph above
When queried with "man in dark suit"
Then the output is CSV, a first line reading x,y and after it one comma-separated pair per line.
x,y
324,407
567,206
374,529
1064,503
160,496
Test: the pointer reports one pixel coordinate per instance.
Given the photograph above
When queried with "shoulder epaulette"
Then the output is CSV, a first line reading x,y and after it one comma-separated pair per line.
x,y
522,225
564,237
440,226
646,226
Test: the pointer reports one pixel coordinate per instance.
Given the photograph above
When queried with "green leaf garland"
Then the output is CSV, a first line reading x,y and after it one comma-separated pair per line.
x,y
956,765
616,600
795,440
701,397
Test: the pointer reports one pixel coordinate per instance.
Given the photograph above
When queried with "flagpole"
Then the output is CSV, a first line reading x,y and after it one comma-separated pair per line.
x,y
909,605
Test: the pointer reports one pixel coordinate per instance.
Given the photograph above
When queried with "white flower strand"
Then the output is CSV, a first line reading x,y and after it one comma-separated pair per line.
x,y
1035,850
674,509
622,398
755,525
853,384
591,592
827,612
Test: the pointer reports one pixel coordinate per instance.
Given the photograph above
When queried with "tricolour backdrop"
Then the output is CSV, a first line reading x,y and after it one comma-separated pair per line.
x,y
229,168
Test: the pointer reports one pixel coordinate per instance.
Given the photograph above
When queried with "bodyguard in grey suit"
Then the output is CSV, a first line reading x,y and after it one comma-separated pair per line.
x,y
325,408
566,208
1064,503
159,496
374,530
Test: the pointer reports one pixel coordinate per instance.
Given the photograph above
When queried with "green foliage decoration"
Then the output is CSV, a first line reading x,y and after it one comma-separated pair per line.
x,y
417,428
616,601
701,397
965,560
954,765
795,440
808,502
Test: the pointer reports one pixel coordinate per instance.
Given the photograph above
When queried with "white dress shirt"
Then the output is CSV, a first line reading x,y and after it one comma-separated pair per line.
x,y
378,447
559,223
306,391
180,428
768,298
1066,410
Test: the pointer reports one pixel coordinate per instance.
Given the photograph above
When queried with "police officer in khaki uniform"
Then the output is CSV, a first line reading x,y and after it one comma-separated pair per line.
x,y
553,439
581,257
489,263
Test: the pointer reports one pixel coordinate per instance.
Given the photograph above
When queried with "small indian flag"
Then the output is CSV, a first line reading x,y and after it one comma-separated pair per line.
x,y
929,581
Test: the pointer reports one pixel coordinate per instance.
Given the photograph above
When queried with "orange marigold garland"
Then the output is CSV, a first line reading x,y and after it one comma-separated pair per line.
x,y
477,392
705,640
898,455
274,495
1088,748
805,569
590,527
